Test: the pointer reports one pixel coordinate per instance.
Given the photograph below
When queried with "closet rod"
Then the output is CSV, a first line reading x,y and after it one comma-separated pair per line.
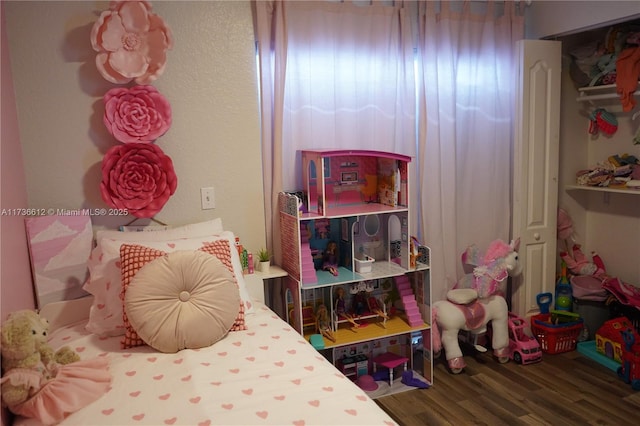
x,y
602,96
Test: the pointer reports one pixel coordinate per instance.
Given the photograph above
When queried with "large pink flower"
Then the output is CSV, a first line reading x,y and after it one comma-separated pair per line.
x,y
138,114
138,177
131,43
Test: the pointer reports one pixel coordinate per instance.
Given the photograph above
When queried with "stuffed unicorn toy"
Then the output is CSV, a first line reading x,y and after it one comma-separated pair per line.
x,y
476,300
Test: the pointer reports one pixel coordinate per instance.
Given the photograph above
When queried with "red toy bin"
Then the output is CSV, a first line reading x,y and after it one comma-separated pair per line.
x,y
555,339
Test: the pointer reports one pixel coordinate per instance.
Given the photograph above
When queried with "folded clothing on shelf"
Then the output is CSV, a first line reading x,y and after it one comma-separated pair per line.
x,y
616,171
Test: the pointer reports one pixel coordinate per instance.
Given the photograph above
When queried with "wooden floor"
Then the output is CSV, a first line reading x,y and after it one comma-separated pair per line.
x,y
563,389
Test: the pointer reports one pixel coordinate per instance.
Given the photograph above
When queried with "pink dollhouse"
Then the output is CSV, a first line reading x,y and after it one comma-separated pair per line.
x,y
346,242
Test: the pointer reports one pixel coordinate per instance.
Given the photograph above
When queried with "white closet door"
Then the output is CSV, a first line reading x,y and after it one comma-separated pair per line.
x,y
535,170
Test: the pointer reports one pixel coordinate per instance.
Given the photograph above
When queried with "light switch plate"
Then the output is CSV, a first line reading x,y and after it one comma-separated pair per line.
x,y
207,197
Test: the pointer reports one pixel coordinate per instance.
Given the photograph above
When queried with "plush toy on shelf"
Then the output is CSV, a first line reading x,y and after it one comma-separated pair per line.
x,y
39,382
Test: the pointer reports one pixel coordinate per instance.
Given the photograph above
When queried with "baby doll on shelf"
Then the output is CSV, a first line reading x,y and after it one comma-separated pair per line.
x,y
330,258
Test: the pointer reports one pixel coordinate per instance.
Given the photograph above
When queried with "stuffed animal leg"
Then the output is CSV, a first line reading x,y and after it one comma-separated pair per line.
x,y
13,394
66,355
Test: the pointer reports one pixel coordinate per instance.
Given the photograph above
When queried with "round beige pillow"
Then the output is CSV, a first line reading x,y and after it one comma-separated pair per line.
x,y
185,299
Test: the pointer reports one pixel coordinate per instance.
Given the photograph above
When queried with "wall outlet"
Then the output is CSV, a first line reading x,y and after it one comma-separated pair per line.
x,y
207,197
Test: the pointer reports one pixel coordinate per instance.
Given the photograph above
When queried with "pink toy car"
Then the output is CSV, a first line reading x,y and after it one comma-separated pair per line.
x,y
523,347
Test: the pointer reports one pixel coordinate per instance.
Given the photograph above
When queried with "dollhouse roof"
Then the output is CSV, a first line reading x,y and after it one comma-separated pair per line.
x,y
358,152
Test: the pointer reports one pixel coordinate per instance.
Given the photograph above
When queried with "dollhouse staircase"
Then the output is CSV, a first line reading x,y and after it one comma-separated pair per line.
x,y
308,271
408,301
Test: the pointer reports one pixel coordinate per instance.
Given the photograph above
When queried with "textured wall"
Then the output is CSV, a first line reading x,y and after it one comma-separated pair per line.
x,y
210,81
15,271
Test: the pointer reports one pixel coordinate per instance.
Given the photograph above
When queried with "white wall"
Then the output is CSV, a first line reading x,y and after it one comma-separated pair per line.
x,y
546,18
210,81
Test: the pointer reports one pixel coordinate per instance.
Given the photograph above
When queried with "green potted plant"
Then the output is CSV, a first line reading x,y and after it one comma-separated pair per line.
x,y
264,257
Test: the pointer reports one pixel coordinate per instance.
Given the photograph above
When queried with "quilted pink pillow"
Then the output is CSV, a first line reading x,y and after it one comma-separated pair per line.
x,y
134,256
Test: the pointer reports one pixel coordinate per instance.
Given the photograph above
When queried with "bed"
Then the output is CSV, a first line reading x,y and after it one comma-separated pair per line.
x,y
261,373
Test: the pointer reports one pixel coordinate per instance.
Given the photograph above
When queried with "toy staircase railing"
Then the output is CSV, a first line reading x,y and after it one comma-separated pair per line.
x,y
408,301
308,272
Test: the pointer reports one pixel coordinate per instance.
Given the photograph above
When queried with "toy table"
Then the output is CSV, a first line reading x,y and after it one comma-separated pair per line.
x,y
390,361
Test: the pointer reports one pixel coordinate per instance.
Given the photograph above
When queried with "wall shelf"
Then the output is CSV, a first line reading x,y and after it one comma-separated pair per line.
x,y
620,190
595,93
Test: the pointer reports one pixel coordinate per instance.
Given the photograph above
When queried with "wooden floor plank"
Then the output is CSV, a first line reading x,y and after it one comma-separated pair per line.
x,y
563,390
532,419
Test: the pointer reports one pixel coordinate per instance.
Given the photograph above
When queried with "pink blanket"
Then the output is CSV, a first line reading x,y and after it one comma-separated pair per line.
x,y
626,293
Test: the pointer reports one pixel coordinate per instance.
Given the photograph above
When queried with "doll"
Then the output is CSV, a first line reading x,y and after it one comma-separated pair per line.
x,y
323,324
330,258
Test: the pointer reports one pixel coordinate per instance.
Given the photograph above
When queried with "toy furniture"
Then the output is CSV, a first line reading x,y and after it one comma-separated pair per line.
x,y
316,341
390,360
355,206
354,366
308,317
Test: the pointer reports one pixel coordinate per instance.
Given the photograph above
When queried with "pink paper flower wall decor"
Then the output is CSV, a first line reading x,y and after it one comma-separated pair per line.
x,y
136,114
138,177
131,43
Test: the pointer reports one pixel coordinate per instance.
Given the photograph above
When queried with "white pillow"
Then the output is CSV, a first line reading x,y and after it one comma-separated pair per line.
x,y
105,315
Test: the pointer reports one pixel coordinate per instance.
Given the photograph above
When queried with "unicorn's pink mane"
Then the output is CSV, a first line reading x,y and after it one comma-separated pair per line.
x,y
496,250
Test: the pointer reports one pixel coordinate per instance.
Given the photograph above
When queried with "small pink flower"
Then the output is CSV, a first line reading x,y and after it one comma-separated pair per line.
x,y
131,43
138,177
138,114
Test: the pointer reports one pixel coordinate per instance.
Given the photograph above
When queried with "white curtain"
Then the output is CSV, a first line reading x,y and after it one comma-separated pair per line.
x,y
341,75
467,92
333,75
